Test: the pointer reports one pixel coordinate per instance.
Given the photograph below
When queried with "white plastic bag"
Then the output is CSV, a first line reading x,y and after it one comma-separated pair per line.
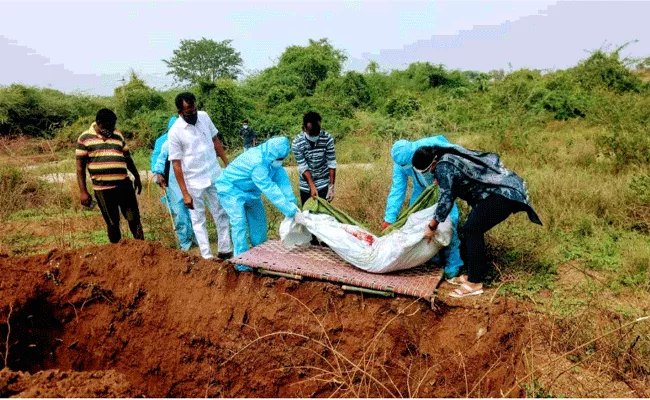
x,y
403,248
294,234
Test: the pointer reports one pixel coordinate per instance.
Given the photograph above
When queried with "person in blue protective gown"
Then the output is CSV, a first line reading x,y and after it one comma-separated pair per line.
x,y
240,186
402,154
180,213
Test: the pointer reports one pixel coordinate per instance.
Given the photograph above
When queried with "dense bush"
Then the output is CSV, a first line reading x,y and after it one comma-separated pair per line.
x,y
402,104
136,97
40,112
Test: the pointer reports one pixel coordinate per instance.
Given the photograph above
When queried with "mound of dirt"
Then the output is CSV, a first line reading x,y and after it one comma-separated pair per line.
x,y
55,383
139,319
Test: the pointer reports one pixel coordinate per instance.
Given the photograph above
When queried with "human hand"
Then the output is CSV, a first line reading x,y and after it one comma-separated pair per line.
x,y
85,199
330,193
160,180
187,200
137,185
299,218
430,230
314,192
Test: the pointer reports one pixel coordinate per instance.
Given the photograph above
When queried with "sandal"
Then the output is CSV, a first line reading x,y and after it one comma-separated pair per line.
x,y
457,280
465,291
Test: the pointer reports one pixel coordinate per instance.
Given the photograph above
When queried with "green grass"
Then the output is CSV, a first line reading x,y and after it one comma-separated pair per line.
x,y
49,213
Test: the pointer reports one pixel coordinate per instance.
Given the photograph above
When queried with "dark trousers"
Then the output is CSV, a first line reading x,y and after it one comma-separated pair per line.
x,y
304,196
484,216
111,202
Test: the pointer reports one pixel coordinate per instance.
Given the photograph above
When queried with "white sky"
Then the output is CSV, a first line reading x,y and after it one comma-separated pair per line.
x,y
89,45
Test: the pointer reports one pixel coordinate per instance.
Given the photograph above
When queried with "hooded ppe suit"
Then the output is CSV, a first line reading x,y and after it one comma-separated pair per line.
x,y
181,214
241,184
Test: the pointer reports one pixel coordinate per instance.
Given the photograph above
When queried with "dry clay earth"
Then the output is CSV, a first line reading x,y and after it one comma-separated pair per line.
x,y
139,319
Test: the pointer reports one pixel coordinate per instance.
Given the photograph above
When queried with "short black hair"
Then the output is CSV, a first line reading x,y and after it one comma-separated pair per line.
x,y
187,97
245,121
423,157
105,117
312,117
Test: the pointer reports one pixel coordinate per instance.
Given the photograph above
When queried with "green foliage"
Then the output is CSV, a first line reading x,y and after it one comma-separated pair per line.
x,y
420,76
312,63
144,128
352,88
39,112
204,60
224,103
402,104
626,120
640,187
136,97
19,190
606,70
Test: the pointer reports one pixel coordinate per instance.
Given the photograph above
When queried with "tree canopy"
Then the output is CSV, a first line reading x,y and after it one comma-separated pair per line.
x,y
204,60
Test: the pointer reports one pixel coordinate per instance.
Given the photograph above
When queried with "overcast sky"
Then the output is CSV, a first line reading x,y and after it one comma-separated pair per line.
x,y
88,46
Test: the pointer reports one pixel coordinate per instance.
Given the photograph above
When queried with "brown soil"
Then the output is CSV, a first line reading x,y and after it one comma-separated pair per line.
x,y
137,318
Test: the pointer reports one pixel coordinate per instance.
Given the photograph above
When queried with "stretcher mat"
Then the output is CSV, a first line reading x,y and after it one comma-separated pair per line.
x,y
323,264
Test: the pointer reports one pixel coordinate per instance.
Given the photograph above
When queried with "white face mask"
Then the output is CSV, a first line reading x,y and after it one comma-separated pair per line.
x,y
245,126
277,163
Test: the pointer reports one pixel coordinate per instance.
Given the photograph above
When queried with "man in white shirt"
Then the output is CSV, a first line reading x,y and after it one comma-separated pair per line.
x,y
193,149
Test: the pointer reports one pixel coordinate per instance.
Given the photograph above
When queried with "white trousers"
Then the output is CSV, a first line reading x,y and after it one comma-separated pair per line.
x,y
197,215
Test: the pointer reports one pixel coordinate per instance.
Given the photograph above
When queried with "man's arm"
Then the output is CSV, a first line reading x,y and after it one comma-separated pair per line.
x,y
130,165
81,155
303,167
332,176
331,164
84,196
175,148
178,172
218,147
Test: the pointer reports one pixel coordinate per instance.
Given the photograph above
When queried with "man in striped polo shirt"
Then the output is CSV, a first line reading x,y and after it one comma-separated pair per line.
x,y
103,150
314,152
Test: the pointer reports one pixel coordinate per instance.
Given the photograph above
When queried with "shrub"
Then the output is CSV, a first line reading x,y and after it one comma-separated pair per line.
x,y
226,106
40,112
402,104
136,97
18,191
606,70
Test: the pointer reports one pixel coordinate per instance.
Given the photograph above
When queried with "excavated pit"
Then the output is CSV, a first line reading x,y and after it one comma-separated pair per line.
x,y
138,319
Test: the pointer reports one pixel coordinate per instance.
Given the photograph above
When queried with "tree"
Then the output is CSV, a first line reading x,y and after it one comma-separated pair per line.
x,y
372,68
204,60
135,96
313,63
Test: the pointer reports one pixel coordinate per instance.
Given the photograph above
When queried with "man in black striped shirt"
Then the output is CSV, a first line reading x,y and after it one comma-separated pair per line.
x,y
314,152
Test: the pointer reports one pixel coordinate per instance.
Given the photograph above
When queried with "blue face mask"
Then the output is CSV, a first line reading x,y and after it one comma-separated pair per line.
x,y
277,163
426,177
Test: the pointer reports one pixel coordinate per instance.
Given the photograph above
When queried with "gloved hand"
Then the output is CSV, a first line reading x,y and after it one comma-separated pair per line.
x,y
299,218
330,193
385,225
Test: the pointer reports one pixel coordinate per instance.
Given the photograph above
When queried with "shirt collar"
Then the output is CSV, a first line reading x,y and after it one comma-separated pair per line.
x,y
182,122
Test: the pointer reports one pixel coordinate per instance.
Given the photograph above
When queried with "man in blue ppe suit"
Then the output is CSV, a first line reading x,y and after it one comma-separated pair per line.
x,y
402,154
240,185
160,167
